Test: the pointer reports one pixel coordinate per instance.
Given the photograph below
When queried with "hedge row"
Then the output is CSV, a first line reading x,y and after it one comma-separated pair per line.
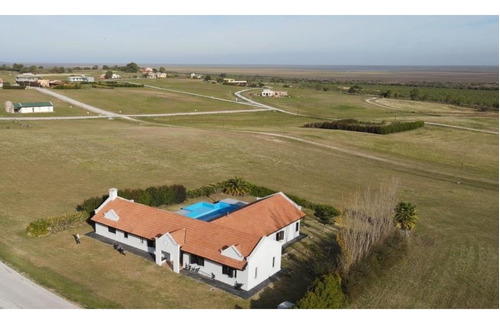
x,y
121,84
152,196
376,128
46,226
8,86
101,86
68,86
156,196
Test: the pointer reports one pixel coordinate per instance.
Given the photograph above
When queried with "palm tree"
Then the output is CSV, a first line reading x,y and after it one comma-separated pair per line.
x,y
406,216
235,187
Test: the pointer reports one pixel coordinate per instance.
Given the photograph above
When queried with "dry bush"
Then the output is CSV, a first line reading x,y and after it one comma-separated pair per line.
x,y
367,220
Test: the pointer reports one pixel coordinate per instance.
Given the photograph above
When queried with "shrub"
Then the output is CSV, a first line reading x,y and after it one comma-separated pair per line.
x,y
367,127
326,294
46,226
325,213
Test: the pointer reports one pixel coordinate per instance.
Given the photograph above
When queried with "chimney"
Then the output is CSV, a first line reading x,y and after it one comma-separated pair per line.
x,y
113,193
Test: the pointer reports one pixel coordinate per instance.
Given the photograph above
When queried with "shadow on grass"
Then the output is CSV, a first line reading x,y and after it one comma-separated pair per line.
x,y
300,271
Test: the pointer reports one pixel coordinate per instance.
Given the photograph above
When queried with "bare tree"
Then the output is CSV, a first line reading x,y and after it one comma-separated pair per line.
x,y
367,220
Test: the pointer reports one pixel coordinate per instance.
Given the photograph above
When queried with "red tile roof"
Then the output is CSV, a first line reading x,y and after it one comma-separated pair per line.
x,y
263,217
243,228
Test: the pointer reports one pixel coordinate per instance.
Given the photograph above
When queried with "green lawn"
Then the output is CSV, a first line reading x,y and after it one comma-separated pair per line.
x,y
146,101
51,166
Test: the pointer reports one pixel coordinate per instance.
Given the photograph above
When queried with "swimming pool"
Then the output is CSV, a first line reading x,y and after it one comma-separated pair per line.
x,y
208,211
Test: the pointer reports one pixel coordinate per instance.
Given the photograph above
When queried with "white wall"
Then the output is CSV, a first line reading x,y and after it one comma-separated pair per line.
x,y
167,243
216,268
262,260
290,233
131,240
27,110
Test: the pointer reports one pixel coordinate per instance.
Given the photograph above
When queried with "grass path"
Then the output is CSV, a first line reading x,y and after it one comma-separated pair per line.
x,y
374,101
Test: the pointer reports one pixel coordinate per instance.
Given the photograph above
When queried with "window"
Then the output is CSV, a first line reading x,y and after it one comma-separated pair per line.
x,y
280,235
297,227
111,229
197,260
151,243
125,234
255,272
274,258
231,272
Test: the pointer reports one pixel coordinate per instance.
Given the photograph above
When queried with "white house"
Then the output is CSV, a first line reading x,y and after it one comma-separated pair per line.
x,y
1,83
29,107
27,78
272,93
80,78
267,93
242,248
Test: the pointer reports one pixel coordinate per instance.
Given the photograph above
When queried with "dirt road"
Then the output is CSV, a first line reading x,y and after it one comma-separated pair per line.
x,y
17,292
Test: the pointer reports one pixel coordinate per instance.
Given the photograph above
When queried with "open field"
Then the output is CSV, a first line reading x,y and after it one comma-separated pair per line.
x,y
146,101
382,74
61,108
451,262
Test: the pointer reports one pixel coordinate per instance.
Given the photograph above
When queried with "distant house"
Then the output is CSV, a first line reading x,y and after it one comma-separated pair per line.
x,y
114,76
80,78
241,248
1,83
234,82
146,70
43,83
29,107
272,93
196,76
155,75
27,79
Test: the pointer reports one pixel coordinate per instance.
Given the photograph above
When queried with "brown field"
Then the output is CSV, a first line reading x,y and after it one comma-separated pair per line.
x,y
472,75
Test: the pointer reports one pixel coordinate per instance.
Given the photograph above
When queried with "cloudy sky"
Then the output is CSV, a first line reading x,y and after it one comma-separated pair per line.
x,y
237,39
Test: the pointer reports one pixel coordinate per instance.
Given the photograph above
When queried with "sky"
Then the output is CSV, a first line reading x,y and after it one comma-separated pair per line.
x,y
252,39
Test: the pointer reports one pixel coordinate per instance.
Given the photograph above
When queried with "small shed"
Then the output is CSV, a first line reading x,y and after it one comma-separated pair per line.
x,y
32,107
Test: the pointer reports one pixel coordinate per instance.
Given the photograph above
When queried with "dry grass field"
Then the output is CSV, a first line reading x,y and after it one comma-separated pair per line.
x,y
450,174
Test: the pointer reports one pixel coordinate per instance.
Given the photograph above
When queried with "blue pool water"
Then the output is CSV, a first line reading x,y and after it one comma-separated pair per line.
x,y
208,211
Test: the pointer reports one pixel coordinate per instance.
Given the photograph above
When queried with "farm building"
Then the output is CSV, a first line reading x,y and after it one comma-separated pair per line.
x,y
80,78
241,248
272,93
27,78
234,82
29,107
1,83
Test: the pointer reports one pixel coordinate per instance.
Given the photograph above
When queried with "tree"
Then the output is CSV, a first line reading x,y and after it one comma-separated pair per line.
x,y
368,220
108,75
406,216
95,67
207,77
326,294
17,67
162,69
235,187
414,94
354,89
105,67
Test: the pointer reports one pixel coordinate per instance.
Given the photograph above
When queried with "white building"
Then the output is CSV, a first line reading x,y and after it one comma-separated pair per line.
x,y
29,107
80,78
1,83
272,93
241,249
27,78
